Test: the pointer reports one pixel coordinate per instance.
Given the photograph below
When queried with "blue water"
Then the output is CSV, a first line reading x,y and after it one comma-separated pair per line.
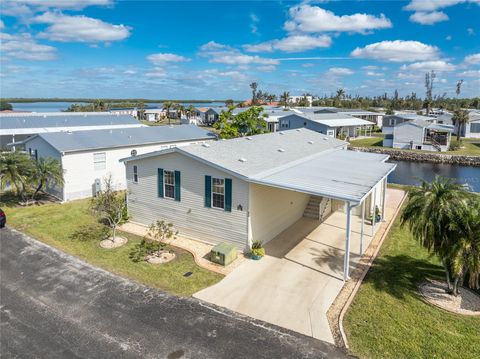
x,y
410,173
61,106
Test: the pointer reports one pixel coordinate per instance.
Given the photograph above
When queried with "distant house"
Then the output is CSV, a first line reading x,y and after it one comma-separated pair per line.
x,y
469,130
88,156
420,135
253,188
330,124
296,99
208,115
374,117
132,111
17,127
153,114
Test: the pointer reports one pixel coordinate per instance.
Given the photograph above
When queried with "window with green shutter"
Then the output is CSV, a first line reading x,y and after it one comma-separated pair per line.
x,y
228,194
208,191
177,186
160,182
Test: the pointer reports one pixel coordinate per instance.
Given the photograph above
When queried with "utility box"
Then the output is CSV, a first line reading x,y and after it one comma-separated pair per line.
x,y
223,254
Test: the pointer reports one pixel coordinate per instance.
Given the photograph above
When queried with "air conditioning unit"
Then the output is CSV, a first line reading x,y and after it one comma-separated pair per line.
x,y
98,185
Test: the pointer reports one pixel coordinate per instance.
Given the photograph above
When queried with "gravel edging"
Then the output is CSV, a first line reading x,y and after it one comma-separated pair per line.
x,y
344,299
401,155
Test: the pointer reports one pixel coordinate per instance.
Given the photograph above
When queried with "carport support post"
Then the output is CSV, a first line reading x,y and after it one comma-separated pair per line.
x,y
346,259
384,193
361,227
374,208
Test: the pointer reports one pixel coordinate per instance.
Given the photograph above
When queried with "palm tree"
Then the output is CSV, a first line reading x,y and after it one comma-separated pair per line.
x,y
284,99
340,95
465,252
460,119
15,170
429,213
167,105
254,86
47,171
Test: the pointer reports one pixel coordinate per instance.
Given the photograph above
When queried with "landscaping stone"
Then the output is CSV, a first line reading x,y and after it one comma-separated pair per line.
x,y
467,302
115,243
164,256
402,155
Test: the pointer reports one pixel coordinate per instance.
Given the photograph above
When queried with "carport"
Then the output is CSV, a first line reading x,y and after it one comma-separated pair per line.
x,y
358,185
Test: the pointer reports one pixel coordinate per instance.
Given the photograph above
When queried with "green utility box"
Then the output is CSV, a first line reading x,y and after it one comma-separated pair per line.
x,y
223,254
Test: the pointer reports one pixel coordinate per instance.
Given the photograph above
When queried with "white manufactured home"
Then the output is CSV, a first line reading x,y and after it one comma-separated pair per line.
x,y
253,188
87,157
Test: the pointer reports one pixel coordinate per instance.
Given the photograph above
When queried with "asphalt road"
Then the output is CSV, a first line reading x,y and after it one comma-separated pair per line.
x,y
53,305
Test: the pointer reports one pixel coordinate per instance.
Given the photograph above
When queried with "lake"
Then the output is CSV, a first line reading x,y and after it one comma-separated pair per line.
x,y
61,106
410,173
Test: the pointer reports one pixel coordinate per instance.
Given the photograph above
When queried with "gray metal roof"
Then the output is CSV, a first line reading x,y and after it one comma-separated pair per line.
x,y
25,121
300,160
340,174
123,137
336,119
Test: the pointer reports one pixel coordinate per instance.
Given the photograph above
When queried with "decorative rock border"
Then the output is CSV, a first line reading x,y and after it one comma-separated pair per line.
x,y
402,155
111,244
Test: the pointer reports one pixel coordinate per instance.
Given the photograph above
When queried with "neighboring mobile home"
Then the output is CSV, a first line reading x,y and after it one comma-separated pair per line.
x,y
15,127
87,157
253,188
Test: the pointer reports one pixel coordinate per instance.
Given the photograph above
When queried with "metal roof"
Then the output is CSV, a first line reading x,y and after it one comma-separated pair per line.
x,y
63,119
124,137
336,119
339,174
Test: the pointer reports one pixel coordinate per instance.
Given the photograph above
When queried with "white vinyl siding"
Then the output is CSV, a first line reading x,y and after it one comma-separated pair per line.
x,y
189,216
99,161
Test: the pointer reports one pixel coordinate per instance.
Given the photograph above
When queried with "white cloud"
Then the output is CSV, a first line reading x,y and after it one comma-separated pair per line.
x,y
253,23
339,71
266,68
24,47
370,67
308,18
448,38
292,43
439,66
470,31
373,73
473,59
65,28
432,5
163,58
428,18
224,54
470,73
397,51
64,4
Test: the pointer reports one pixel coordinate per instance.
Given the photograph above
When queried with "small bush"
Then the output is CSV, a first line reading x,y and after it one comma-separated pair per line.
x,y
455,145
89,232
146,247
257,248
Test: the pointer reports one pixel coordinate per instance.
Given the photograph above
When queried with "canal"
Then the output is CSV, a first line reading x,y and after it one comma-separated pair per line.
x,y
410,173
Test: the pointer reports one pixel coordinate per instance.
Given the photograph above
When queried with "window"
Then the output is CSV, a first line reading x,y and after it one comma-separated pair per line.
x,y
392,122
135,174
218,193
169,184
475,127
99,161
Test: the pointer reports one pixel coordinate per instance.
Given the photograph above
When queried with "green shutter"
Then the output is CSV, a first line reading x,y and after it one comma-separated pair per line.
x,y
177,186
208,191
228,194
160,182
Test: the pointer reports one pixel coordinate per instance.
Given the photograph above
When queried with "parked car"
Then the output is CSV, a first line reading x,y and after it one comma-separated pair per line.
x,y
3,218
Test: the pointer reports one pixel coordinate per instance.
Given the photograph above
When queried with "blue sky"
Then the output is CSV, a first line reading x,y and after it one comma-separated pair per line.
x,y
213,50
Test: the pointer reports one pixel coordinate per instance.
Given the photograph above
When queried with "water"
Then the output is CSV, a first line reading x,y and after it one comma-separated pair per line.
x,y
410,173
61,106
42,106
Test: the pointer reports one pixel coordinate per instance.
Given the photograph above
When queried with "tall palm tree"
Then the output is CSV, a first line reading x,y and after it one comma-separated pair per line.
x,y
284,99
429,212
48,171
465,252
254,86
167,105
460,119
15,170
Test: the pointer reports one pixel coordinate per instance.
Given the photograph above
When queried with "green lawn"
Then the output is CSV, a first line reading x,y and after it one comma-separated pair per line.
x,y
470,147
388,319
54,224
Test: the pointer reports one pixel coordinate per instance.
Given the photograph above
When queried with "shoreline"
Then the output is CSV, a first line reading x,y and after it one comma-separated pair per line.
x,y
402,155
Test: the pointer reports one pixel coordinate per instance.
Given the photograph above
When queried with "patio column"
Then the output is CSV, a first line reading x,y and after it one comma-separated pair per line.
x,y
374,206
361,227
346,258
249,231
384,193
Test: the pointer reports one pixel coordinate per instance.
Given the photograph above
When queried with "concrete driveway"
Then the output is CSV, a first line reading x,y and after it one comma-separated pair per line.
x,y
294,285
55,306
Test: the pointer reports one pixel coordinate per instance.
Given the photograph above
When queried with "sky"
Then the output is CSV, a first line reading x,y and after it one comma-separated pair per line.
x,y
215,49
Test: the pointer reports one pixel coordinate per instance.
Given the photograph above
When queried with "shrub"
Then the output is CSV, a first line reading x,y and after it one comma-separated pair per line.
x,y
89,232
454,145
146,247
257,248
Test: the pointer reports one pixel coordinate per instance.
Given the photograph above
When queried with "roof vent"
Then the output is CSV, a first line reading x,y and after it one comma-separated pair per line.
x,y
242,159
281,150
69,132
310,142
44,116
281,133
248,138
205,145
298,130
325,139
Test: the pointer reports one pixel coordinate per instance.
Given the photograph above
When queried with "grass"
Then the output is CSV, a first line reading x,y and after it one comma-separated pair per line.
x,y
470,147
388,318
54,224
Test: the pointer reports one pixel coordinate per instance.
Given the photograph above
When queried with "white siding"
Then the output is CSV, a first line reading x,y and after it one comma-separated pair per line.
x,y
189,216
272,210
80,172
